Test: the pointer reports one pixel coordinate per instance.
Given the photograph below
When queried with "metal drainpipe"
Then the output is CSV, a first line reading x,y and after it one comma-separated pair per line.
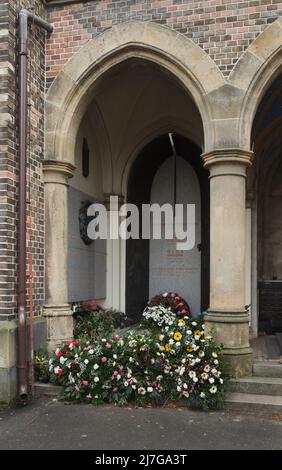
x,y
24,17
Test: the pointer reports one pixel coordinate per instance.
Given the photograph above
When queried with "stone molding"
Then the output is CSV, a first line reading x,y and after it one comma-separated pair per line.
x,y
56,171
227,162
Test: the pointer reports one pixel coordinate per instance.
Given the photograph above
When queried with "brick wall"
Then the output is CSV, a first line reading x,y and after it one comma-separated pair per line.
x,y
223,28
9,155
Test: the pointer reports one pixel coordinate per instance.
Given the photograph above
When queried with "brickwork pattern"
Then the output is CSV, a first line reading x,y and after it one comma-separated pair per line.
x,y
223,28
9,155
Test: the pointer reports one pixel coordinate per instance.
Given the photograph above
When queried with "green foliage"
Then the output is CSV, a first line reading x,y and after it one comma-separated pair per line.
x,y
96,323
41,367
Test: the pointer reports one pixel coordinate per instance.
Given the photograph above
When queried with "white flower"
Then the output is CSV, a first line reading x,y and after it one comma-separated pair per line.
x,y
213,389
185,394
114,356
63,359
201,354
192,374
171,341
159,377
189,332
91,351
126,383
133,387
215,362
214,371
86,361
96,379
214,354
204,376
195,379
96,366
178,388
183,361
141,391
181,371
202,395
131,359
207,368
153,361
221,381
118,377
149,389
211,380
194,323
177,344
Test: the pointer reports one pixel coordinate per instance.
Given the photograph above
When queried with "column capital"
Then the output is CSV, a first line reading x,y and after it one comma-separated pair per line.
x,y
107,199
57,171
228,162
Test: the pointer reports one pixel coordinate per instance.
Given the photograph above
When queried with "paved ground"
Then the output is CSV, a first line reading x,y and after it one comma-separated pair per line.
x,y
50,424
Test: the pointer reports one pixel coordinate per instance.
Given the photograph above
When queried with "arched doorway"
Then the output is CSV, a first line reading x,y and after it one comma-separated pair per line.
x,y
267,189
153,266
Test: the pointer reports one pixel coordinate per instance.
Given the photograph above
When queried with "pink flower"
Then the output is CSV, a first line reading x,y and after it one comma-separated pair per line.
x,y
115,373
115,389
85,382
121,368
108,345
116,337
104,360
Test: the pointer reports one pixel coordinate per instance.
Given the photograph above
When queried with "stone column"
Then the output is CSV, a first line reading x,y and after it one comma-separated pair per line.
x,y
113,299
57,310
227,317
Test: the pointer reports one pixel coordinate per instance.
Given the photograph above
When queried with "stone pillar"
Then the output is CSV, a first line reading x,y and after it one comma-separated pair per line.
x,y
114,248
56,310
227,317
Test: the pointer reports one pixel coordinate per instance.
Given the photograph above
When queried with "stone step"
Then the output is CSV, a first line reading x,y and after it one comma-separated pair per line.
x,y
47,389
239,399
257,385
267,369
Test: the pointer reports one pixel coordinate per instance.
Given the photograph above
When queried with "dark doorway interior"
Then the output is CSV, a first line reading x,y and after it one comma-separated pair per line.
x,y
139,190
267,143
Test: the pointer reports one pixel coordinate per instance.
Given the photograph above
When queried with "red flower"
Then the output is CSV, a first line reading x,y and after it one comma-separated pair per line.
x,y
59,354
68,353
60,372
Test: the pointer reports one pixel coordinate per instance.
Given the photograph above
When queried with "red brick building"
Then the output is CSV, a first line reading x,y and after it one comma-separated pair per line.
x,y
109,84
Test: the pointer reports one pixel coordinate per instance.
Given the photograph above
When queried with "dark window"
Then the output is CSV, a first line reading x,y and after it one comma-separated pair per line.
x,y
85,158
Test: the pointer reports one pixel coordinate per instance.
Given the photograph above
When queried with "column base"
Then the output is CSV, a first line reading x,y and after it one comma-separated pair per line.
x,y
59,325
8,362
232,330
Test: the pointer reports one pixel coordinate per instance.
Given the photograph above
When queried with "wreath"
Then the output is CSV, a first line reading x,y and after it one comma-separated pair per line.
x,y
173,301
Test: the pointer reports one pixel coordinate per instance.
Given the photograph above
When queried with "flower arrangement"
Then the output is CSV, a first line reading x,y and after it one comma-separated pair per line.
x,y
173,301
91,321
41,367
171,359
